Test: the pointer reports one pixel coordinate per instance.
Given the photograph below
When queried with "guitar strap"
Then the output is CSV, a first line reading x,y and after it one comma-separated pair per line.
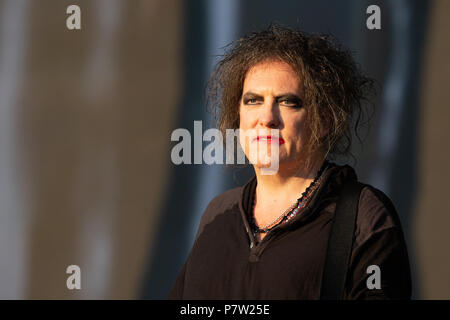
x,y
340,242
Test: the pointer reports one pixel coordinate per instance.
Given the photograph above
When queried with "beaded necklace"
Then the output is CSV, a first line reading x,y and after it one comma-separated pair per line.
x,y
294,209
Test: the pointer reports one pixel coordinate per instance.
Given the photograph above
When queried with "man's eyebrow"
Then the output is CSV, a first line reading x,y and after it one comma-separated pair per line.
x,y
290,96
251,95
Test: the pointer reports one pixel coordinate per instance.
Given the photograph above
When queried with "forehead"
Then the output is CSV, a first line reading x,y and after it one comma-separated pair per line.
x,y
272,76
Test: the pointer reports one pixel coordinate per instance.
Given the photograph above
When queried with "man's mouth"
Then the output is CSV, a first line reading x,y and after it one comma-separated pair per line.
x,y
269,139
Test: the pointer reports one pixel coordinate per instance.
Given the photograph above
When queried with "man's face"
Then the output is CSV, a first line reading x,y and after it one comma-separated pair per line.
x,y
272,98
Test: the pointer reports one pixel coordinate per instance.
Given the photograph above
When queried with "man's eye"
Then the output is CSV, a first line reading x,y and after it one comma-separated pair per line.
x,y
290,103
251,101
287,102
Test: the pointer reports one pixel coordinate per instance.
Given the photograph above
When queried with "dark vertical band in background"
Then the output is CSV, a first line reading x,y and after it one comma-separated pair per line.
x,y
172,240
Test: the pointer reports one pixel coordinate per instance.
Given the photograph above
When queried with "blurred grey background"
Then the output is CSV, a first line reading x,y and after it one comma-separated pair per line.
x,y
86,118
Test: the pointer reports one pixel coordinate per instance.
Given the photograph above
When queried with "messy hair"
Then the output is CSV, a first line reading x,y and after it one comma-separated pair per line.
x,y
334,85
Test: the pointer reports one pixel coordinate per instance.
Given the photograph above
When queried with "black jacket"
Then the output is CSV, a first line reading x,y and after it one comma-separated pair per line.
x,y
225,263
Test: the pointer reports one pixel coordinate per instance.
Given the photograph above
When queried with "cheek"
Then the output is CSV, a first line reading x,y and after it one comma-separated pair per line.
x,y
296,132
295,127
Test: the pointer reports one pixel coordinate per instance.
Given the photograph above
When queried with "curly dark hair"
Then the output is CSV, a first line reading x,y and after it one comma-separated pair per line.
x,y
334,85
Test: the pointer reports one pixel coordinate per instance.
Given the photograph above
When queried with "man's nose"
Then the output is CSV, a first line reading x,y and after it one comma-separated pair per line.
x,y
270,115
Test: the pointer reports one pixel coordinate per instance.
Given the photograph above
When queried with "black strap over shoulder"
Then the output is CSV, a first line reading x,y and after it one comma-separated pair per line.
x,y
340,242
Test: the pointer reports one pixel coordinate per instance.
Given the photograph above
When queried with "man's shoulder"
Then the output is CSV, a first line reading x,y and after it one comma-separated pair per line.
x,y
376,213
218,205
224,201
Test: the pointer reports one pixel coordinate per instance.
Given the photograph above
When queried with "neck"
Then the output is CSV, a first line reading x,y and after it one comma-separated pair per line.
x,y
287,184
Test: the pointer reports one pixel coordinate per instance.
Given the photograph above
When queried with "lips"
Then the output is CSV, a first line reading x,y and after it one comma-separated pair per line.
x,y
269,139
